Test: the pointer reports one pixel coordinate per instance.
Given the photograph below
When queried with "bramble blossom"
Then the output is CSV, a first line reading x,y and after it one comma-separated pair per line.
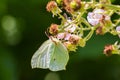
x,y
97,16
75,30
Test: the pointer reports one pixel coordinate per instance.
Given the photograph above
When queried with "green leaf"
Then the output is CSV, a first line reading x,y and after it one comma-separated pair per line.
x,y
51,55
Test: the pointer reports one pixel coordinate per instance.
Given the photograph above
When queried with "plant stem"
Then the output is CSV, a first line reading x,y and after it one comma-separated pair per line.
x,y
89,35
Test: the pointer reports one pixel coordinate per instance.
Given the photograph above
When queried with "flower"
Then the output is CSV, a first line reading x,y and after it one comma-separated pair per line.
x,y
67,36
112,49
75,4
72,5
97,16
71,28
118,30
51,5
61,36
108,50
53,29
100,11
74,39
99,30
64,36
93,18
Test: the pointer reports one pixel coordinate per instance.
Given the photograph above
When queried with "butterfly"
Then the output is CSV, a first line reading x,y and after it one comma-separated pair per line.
x,y
52,55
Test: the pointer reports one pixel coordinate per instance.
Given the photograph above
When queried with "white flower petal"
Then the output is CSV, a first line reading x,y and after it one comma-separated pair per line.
x,y
98,16
71,28
107,17
99,11
118,28
61,36
67,36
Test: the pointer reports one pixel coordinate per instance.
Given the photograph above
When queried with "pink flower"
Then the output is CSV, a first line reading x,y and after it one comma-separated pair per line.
x,y
61,36
64,36
99,11
67,36
93,18
96,16
71,28
118,30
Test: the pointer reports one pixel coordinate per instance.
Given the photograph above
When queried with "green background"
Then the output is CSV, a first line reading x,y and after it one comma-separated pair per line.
x,y
22,31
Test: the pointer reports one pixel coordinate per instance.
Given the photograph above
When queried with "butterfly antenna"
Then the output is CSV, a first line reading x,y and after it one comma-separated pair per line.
x,y
47,34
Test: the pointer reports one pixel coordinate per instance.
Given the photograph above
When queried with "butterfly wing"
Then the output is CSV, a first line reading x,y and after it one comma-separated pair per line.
x,y
59,58
52,55
42,57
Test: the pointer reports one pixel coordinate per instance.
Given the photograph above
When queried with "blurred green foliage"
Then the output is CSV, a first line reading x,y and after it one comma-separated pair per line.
x,y
22,27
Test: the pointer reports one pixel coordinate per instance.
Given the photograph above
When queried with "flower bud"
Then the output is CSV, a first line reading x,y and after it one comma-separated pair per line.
x,y
99,30
69,9
51,6
108,50
72,5
53,29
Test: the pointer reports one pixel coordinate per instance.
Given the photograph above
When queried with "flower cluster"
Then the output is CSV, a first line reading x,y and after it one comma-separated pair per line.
x,y
74,23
